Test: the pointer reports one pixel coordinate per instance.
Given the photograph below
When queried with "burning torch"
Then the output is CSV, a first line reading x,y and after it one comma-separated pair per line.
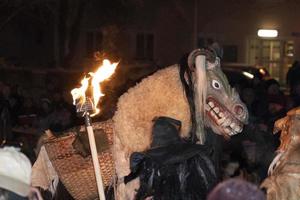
x,y
87,107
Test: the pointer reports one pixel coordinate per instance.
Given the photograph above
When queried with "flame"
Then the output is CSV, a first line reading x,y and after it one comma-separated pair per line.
x,y
104,72
79,93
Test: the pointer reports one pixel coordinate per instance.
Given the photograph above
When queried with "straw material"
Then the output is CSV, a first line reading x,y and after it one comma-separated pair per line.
x,y
77,172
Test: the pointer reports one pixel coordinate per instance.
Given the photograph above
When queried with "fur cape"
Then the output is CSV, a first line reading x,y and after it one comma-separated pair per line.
x,y
137,108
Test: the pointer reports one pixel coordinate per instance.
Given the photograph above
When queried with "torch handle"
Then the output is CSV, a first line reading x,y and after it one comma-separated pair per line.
x,y
95,159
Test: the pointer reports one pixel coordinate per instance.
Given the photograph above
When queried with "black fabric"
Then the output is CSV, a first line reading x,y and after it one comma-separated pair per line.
x,y
177,170
165,131
215,142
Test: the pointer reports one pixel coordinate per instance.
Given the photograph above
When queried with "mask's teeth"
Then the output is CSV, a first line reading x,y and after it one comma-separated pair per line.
x,y
215,116
211,104
221,115
207,107
221,121
232,125
217,109
227,122
232,133
227,130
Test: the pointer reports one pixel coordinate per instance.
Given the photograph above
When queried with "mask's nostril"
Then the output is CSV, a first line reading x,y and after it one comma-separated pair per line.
x,y
238,110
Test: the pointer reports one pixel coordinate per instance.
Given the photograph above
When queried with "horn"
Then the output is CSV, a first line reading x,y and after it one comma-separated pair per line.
x,y
208,53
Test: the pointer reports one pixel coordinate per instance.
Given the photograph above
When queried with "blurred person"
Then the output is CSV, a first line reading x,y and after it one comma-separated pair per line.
x,y
273,87
55,116
28,113
16,101
292,77
57,99
60,118
248,97
46,108
275,97
28,107
276,108
294,98
5,116
15,176
257,108
236,189
260,103
293,81
276,102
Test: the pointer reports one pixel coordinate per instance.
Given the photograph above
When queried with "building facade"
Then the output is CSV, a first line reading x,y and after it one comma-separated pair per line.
x,y
237,32
158,33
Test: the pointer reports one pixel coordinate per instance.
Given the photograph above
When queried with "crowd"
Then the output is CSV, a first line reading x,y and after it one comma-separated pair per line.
x,y
26,113
249,154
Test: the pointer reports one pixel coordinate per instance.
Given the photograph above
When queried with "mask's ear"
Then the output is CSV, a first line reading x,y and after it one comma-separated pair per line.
x,y
213,65
280,124
218,50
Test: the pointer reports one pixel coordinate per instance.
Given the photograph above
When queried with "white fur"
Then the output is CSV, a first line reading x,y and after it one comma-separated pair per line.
x,y
200,85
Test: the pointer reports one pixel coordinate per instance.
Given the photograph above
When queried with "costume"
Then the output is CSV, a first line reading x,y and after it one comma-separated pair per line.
x,y
172,168
195,92
284,172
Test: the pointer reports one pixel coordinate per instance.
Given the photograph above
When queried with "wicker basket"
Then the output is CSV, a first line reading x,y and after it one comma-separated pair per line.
x,y
77,172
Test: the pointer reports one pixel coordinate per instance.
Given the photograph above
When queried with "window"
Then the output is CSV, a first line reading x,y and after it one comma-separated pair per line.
x,y
144,46
276,55
94,40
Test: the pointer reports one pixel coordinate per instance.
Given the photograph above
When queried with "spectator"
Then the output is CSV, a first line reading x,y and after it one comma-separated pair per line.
x,y
61,117
276,102
28,107
15,176
248,97
16,101
292,77
43,121
294,98
5,115
260,103
236,189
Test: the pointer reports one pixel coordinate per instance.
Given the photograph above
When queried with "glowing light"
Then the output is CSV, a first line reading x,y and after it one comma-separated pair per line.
x,y
249,75
104,72
269,33
262,71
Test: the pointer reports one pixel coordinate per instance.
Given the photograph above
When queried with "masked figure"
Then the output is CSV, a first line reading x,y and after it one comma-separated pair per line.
x,y
284,172
195,92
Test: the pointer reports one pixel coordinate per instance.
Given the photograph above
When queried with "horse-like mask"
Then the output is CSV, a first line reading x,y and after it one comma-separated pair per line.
x,y
216,104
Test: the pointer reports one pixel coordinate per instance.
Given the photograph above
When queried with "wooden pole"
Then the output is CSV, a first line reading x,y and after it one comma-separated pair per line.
x,y
95,159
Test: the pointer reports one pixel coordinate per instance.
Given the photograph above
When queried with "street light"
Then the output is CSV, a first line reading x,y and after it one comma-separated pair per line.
x,y
268,33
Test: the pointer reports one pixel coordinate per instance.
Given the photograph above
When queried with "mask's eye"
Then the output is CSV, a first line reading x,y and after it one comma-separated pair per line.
x,y
216,84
